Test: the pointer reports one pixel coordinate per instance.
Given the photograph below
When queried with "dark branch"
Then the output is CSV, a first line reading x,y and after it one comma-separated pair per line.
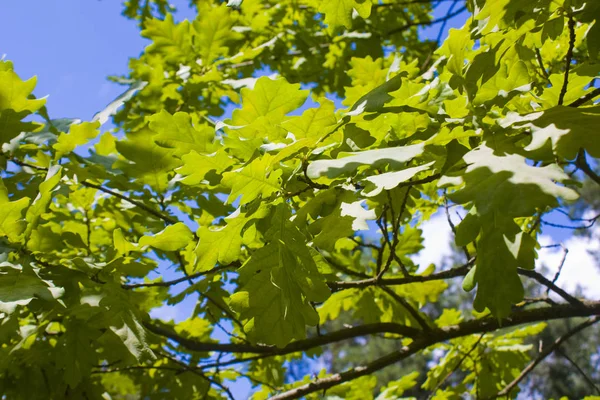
x,y
149,210
563,90
581,101
456,367
538,56
546,282
579,370
411,310
180,280
300,345
451,273
583,165
438,335
544,354
432,22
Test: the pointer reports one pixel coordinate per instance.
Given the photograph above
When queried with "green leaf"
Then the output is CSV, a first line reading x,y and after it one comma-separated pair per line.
x,y
43,199
177,132
256,179
78,134
112,108
279,282
18,287
389,180
172,238
394,156
145,161
12,223
508,79
567,128
271,99
503,187
122,245
313,121
171,40
338,13
506,184
16,104
396,389
214,32
196,166
223,244
125,324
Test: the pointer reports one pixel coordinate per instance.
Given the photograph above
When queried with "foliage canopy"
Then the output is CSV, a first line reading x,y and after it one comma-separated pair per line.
x,y
300,207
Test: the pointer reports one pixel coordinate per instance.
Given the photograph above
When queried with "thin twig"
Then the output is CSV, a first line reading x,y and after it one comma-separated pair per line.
x,y
589,96
452,226
179,280
578,368
538,56
560,267
549,350
563,90
456,367
583,165
432,22
544,281
166,218
411,310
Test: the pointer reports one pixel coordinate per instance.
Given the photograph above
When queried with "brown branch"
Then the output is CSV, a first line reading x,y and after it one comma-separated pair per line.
x,y
563,90
579,370
583,165
440,335
346,270
582,100
300,345
150,210
456,367
169,220
559,270
451,273
538,56
544,354
432,22
176,281
546,282
411,310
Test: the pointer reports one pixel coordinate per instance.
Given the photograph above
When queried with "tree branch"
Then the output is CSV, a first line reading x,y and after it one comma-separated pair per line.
x,y
180,280
432,22
578,368
544,354
546,282
563,90
457,366
583,165
411,310
582,100
169,220
440,335
451,273
300,345
150,210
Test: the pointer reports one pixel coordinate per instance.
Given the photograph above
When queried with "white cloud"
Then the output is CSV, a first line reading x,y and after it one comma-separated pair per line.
x,y
579,270
167,313
580,267
436,240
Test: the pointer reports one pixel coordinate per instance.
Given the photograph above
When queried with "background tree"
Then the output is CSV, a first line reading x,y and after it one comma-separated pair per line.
x,y
262,214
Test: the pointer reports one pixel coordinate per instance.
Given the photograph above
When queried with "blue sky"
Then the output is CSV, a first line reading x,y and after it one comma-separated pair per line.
x,y
73,45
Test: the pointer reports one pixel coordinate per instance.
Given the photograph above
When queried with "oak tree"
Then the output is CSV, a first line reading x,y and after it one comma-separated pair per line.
x,y
348,133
